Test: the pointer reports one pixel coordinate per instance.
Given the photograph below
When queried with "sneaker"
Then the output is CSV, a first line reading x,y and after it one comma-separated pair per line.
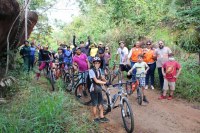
x,y
170,98
97,120
79,96
146,87
162,97
145,99
152,87
104,120
85,93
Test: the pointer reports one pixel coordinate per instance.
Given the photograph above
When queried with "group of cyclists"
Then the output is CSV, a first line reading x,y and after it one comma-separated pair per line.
x,y
140,62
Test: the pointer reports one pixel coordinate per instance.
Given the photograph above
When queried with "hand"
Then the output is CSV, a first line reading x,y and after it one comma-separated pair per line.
x,y
107,84
176,76
74,36
164,74
129,73
88,37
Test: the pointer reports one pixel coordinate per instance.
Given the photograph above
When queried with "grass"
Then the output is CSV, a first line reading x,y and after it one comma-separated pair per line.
x,y
35,109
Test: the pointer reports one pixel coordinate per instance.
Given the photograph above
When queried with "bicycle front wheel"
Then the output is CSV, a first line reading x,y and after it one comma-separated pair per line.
x,y
52,80
139,95
127,116
82,94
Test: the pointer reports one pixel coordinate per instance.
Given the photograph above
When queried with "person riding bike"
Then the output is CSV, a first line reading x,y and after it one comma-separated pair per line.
x,y
97,78
45,56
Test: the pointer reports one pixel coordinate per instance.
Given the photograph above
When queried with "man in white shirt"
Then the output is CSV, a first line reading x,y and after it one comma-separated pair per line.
x,y
123,53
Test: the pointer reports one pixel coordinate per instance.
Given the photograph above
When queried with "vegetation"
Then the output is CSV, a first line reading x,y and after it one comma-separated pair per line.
x,y
36,109
174,21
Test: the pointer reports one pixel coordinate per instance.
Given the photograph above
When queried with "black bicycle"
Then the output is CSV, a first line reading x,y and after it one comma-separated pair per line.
x,y
76,83
126,110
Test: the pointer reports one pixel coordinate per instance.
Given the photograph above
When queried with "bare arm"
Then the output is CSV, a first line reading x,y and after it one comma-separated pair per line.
x,y
98,81
163,72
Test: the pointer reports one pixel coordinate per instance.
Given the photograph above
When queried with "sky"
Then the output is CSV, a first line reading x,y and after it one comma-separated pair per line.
x,y
64,11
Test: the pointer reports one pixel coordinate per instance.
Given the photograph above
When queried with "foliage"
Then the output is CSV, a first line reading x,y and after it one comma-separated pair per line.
x,y
35,109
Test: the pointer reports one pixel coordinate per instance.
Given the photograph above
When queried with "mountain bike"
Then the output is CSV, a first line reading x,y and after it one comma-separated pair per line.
x,y
113,73
136,85
76,83
109,103
50,75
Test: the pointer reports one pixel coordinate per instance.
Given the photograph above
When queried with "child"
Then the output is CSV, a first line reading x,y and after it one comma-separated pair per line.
x,y
141,68
97,80
170,70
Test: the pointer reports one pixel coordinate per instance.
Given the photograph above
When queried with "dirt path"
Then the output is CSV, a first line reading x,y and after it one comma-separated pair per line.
x,y
175,116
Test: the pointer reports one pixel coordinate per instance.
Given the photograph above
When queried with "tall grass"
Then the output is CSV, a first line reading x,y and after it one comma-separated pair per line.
x,y
34,109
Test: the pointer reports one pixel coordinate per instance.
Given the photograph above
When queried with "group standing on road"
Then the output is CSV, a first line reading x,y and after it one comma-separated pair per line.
x,y
92,59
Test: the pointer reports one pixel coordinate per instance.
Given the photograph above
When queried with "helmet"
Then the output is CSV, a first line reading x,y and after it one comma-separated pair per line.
x,y
96,59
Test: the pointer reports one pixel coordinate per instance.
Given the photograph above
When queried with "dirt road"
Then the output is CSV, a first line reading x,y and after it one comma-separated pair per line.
x,y
165,116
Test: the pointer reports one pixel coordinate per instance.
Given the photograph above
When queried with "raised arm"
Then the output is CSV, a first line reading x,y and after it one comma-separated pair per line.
x,y
74,41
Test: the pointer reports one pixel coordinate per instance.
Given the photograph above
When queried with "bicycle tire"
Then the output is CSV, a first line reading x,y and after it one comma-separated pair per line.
x,y
106,102
67,81
139,96
52,80
85,98
126,112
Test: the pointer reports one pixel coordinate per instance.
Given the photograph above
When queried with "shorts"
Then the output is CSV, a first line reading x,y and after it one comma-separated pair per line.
x,y
168,85
142,81
97,98
124,67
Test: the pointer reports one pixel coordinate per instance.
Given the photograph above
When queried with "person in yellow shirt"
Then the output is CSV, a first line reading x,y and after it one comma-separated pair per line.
x,y
149,58
92,52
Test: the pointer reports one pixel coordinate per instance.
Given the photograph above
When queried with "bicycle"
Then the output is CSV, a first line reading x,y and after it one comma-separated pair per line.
x,y
126,110
136,85
77,83
114,73
50,75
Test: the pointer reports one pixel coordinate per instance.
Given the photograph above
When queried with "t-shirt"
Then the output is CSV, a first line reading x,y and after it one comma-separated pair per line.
x,y
67,56
140,68
45,54
33,49
171,70
93,51
92,75
107,56
123,54
81,61
162,55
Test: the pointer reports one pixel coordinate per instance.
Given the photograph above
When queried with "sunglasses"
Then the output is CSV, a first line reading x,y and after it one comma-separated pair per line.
x,y
106,49
160,43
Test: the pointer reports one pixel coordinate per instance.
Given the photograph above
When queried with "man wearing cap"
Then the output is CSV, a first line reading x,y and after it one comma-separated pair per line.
x,y
25,53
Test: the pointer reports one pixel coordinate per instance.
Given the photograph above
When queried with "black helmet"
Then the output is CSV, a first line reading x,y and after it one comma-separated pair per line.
x,y
96,59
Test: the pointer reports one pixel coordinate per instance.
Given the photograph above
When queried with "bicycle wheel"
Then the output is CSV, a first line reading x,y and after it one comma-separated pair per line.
x,y
67,81
127,116
139,95
52,80
106,102
82,94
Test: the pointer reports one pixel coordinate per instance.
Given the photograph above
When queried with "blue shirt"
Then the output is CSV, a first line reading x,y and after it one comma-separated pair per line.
x,y
67,56
32,52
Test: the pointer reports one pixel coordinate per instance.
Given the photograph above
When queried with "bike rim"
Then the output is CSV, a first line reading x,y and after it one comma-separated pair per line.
x,y
127,118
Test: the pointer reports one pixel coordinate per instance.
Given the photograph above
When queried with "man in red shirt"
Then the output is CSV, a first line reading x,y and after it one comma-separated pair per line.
x,y
170,70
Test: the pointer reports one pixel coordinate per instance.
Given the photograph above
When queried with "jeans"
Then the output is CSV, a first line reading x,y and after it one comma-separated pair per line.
x,y
26,63
161,78
150,73
134,71
32,60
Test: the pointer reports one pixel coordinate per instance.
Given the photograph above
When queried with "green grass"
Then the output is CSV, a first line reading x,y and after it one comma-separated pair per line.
x,y
35,109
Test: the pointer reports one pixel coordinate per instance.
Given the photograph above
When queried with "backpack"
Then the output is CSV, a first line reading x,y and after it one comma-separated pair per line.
x,y
97,87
